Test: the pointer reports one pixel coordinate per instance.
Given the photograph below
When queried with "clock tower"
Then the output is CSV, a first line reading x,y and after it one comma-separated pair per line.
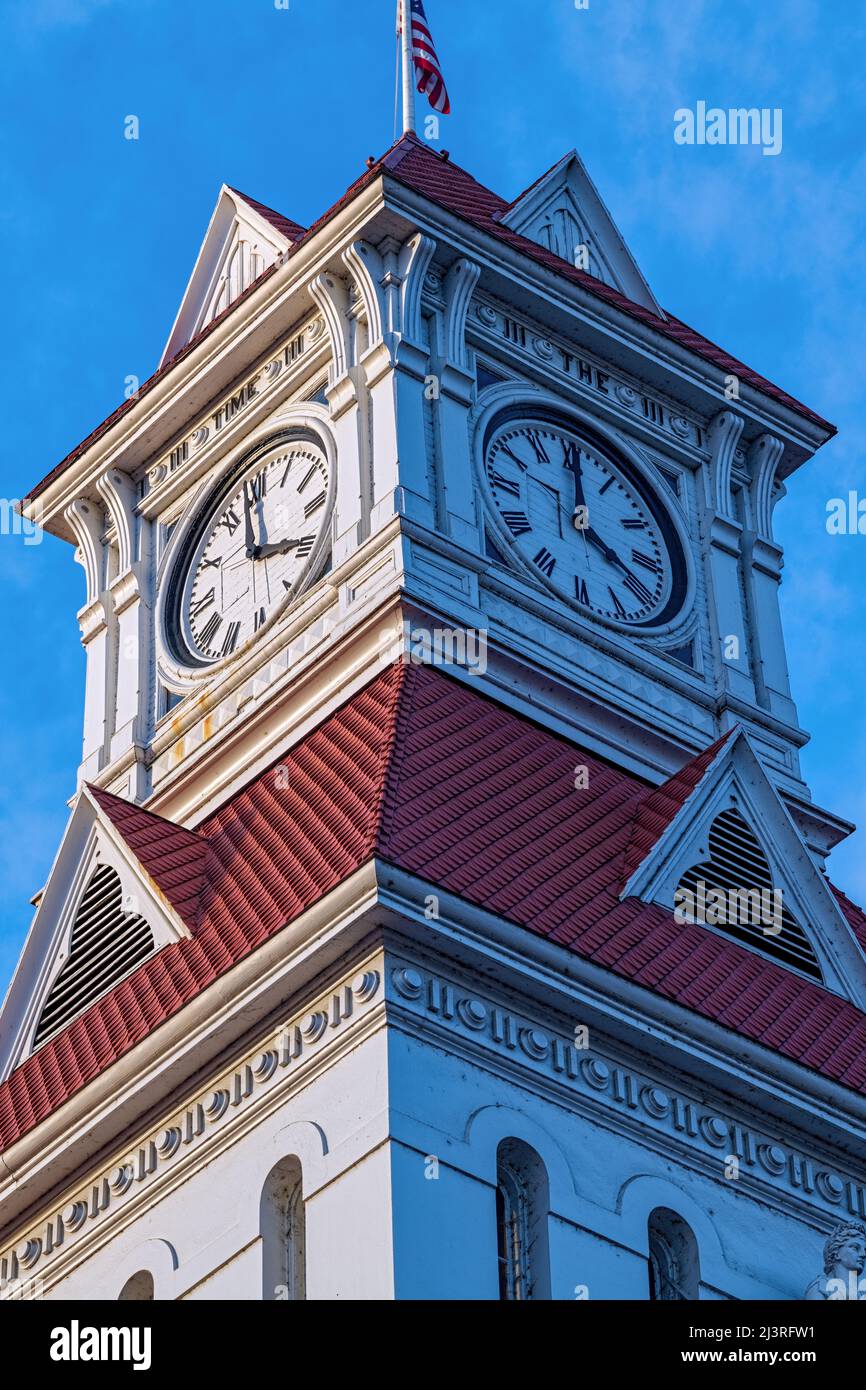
x,y
433,653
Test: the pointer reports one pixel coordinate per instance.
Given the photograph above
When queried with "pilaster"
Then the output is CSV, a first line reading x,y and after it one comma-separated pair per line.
x,y
134,628
87,520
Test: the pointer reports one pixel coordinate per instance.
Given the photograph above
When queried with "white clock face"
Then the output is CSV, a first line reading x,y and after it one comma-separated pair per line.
x,y
582,524
250,554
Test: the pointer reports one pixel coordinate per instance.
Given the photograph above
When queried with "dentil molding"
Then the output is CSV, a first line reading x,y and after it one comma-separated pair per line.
x,y
268,1068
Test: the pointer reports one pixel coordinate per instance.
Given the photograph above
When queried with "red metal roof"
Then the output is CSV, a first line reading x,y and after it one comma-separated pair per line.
x,y
427,774
292,231
415,164
657,810
174,858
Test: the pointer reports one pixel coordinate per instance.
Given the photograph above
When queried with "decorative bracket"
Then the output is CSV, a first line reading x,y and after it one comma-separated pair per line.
x,y
87,521
723,436
332,298
460,284
119,494
765,455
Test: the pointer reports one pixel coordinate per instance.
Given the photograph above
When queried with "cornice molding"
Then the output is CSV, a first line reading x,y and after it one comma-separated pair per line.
x,y
183,1143
650,352
625,1098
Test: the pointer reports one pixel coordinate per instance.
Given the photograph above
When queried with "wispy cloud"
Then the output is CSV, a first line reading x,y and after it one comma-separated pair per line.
x,y
52,14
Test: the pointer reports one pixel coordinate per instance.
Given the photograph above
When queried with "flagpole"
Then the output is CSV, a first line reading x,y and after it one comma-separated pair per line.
x,y
408,72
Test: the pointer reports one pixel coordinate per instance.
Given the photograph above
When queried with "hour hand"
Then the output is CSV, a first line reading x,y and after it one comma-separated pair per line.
x,y
248,526
262,552
607,551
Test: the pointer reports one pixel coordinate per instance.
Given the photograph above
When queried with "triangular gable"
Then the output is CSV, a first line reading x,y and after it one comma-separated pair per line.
x,y
244,239
160,867
563,212
663,804
671,835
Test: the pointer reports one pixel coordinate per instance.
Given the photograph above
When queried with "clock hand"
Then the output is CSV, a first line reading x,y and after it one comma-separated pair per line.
x,y
248,525
607,550
572,464
262,552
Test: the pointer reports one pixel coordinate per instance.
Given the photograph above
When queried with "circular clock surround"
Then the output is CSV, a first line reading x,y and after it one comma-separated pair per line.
x,y
582,518
247,549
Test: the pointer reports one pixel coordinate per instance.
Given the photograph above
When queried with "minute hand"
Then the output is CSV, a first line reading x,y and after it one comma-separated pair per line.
x,y
262,552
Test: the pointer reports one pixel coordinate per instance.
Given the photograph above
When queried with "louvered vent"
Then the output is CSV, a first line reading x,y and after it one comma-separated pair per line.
x,y
107,943
738,866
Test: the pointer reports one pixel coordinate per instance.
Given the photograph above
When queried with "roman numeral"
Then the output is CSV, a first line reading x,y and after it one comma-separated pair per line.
x,y
639,589
231,639
212,564
570,456
517,523
259,486
202,604
498,480
231,521
649,562
307,478
545,561
604,487
620,611
260,619
305,546
633,523
287,583
314,506
210,630
506,449
581,590
540,452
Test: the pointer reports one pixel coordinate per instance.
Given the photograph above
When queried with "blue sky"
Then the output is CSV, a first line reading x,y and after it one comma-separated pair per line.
x,y
764,255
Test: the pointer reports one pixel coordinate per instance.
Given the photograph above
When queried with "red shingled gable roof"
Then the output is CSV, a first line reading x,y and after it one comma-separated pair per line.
x,y
292,231
175,859
657,810
423,772
413,163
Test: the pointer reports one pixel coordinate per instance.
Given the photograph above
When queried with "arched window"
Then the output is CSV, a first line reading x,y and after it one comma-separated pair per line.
x,y
674,1265
522,1207
283,1232
138,1288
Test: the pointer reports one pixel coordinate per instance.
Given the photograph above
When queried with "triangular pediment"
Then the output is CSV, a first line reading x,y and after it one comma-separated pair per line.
x,y
720,822
564,212
244,239
101,913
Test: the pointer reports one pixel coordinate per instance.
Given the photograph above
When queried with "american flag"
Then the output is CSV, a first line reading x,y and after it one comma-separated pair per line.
x,y
424,56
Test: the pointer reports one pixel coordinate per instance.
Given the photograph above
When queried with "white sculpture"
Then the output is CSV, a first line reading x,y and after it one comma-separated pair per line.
x,y
844,1259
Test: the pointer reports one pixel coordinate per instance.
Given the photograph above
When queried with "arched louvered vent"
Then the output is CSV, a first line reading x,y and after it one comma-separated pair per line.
x,y
107,943
753,909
